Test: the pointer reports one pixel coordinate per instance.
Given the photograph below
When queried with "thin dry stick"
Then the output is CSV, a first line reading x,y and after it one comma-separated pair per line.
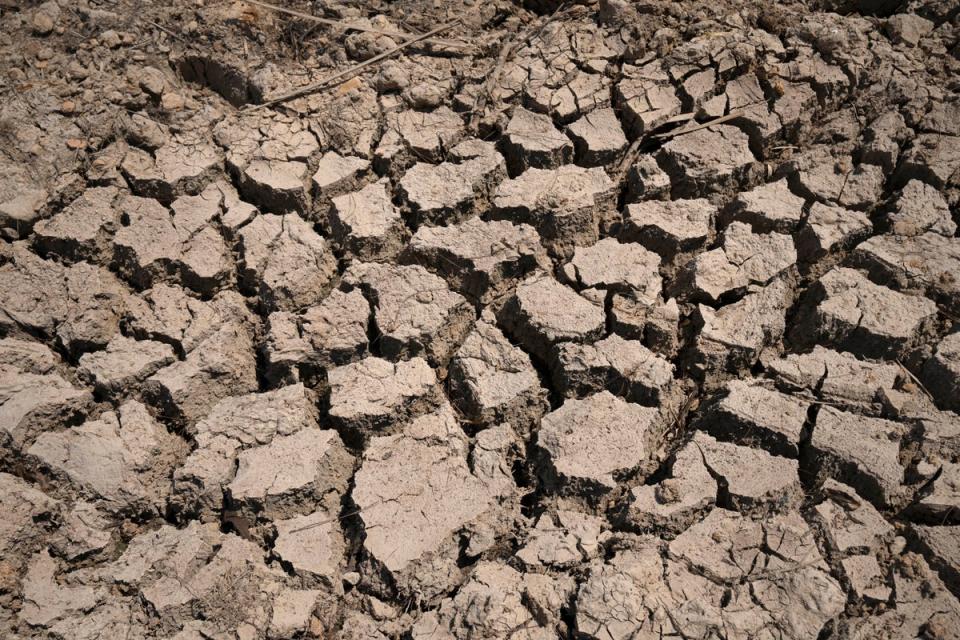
x,y
313,88
349,26
703,125
915,379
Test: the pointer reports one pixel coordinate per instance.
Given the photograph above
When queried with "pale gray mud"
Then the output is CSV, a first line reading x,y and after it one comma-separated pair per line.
x,y
614,320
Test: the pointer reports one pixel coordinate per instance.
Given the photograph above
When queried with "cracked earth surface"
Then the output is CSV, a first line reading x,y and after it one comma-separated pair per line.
x,y
614,320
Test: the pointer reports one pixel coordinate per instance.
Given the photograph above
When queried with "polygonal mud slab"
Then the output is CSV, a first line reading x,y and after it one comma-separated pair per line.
x,y
624,367
859,316
286,262
531,141
542,312
480,259
670,227
366,224
415,314
567,205
709,160
589,445
862,452
491,381
332,333
123,459
374,394
411,519
755,415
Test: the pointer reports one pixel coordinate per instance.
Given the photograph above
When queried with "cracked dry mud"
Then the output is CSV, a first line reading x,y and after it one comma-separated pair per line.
x,y
611,319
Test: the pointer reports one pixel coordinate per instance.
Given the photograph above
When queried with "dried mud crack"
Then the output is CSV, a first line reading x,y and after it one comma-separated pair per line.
x,y
613,320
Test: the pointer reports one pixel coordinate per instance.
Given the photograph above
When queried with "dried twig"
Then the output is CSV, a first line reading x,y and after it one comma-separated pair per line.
x,y
915,379
352,71
350,26
507,49
703,125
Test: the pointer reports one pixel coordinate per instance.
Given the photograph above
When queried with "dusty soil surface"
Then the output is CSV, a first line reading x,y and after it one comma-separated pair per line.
x,y
617,320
